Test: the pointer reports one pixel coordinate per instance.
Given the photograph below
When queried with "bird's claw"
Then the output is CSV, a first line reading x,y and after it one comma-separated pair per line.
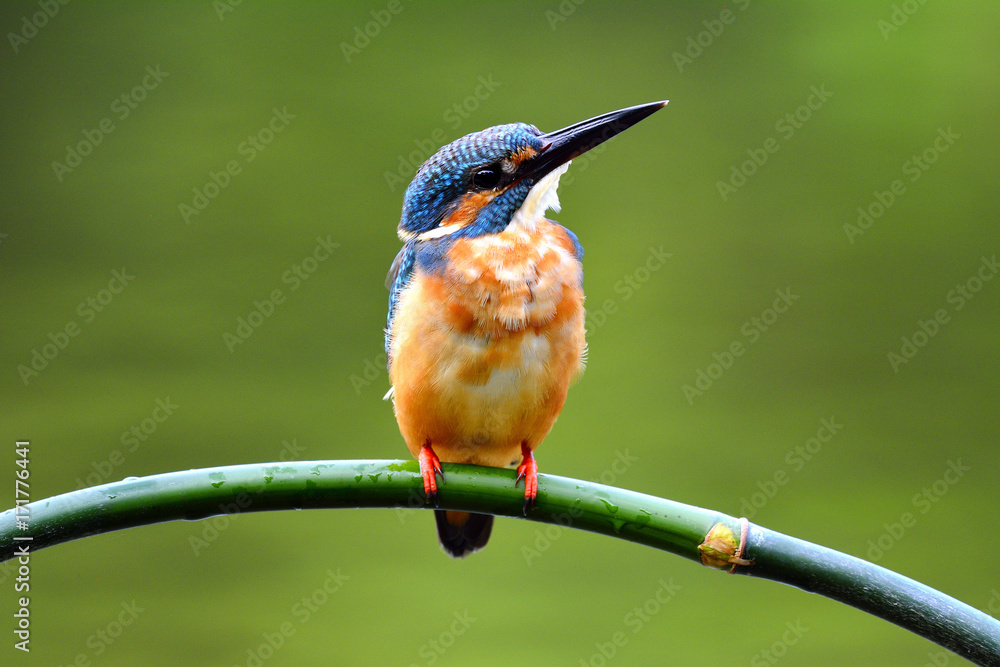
x,y
430,468
528,471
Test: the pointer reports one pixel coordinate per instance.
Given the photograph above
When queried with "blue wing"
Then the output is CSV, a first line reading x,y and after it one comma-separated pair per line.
x,y
576,242
577,246
399,275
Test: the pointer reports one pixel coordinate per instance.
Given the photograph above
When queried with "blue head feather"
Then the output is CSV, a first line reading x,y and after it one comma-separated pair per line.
x,y
446,177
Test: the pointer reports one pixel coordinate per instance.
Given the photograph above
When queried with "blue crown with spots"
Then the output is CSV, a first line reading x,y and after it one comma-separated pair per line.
x,y
440,183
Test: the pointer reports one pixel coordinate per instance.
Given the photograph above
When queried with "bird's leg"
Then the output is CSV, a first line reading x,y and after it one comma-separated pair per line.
x,y
528,470
430,467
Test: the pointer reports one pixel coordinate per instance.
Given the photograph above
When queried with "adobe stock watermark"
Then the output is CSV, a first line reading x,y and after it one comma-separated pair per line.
x,y
752,330
545,536
958,297
898,17
106,635
779,648
993,604
796,459
248,149
30,25
634,621
937,659
786,127
364,34
19,564
454,116
562,12
696,44
21,557
581,162
122,107
88,310
434,649
923,502
264,308
131,440
372,369
223,7
627,287
915,167
213,527
302,611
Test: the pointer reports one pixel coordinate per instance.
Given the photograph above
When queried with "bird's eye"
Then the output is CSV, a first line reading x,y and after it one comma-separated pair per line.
x,y
487,178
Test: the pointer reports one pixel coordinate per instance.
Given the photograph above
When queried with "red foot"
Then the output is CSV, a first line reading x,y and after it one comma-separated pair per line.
x,y
430,467
528,471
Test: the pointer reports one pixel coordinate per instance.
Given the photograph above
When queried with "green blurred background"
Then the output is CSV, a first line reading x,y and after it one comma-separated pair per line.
x,y
892,79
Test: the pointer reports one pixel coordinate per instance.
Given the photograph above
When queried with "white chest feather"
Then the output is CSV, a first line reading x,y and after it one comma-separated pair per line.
x,y
543,196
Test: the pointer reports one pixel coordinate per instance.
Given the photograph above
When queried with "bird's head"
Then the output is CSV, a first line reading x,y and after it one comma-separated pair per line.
x,y
482,182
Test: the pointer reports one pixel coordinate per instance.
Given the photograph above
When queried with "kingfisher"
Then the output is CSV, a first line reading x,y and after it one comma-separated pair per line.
x,y
485,332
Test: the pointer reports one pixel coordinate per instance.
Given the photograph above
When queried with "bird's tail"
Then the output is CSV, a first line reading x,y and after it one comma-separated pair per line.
x,y
461,533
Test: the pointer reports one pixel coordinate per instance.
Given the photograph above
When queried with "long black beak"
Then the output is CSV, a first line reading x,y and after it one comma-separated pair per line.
x,y
563,145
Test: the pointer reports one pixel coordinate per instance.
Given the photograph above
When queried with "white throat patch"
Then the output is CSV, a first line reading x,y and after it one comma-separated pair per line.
x,y
541,198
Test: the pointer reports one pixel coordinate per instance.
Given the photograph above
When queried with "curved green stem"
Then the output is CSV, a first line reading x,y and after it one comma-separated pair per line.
x,y
671,526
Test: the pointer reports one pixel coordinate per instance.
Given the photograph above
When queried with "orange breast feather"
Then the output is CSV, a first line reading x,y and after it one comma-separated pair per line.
x,y
483,354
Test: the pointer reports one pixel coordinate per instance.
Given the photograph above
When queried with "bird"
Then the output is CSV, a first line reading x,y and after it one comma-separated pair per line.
x,y
486,325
